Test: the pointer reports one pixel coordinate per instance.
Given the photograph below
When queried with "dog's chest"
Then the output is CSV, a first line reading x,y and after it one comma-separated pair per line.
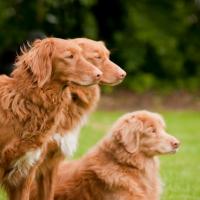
x,y
68,142
23,165
149,181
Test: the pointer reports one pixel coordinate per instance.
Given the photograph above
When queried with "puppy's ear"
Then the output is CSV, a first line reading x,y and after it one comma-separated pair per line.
x,y
129,134
40,60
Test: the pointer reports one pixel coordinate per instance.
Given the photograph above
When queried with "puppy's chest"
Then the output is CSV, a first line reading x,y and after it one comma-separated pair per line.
x,y
142,183
150,185
68,141
118,195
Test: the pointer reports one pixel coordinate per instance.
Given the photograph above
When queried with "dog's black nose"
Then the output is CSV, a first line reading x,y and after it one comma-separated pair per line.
x,y
122,75
98,76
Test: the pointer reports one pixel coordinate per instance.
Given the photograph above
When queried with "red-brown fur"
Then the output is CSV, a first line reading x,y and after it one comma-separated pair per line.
x,y
31,103
122,166
99,56
84,100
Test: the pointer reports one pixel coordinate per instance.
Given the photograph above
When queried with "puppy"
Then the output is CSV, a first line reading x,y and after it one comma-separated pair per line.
x,y
31,104
123,165
75,114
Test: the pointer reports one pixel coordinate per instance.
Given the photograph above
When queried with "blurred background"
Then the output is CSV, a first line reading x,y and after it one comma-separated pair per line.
x,y
156,41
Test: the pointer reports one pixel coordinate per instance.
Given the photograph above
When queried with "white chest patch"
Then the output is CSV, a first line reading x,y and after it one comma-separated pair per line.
x,y
22,166
69,141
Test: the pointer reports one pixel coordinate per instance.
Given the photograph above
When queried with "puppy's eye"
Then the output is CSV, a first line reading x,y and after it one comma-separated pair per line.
x,y
154,130
151,130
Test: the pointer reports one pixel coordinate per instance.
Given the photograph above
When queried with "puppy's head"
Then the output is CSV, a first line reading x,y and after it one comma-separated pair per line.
x,y
144,132
61,60
97,53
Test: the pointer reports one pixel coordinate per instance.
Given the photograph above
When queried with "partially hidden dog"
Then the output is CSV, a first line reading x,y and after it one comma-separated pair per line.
x,y
31,103
123,166
84,101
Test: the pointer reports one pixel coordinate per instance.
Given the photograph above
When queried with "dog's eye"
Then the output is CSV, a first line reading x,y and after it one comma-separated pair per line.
x,y
154,130
98,57
151,130
70,56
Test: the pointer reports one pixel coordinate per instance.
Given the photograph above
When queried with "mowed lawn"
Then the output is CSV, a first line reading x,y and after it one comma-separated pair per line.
x,y
181,172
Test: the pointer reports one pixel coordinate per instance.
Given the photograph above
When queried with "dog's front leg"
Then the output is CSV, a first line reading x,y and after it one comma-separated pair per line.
x,y
21,189
24,192
46,182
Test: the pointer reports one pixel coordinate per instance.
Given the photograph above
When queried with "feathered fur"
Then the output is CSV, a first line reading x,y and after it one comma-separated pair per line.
x,y
122,166
84,101
31,104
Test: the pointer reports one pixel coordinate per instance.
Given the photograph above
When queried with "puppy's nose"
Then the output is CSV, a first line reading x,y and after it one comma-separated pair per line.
x,y
175,144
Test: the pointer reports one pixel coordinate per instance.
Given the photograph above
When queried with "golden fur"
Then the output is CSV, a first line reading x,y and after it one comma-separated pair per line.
x,y
31,103
122,166
84,101
97,53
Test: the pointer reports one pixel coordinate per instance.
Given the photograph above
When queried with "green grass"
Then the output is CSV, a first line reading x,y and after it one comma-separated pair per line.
x,y
180,172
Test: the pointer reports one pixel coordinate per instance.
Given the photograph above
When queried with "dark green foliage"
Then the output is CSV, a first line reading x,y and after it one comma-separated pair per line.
x,y
156,41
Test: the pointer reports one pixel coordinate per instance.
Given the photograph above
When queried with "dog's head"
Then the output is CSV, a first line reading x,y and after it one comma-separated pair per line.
x,y
60,60
144,132
97,53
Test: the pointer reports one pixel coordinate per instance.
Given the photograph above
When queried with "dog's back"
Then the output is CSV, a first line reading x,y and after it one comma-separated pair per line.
x,y
95,176
78,181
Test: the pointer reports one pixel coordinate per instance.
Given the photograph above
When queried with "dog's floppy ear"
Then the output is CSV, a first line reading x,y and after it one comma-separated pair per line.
x,y
79,95
128,134
41,60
